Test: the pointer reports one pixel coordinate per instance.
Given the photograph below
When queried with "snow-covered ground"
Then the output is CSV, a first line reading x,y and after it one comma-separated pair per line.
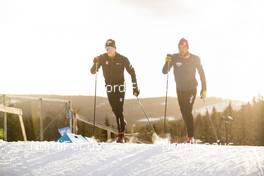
x,y
51,158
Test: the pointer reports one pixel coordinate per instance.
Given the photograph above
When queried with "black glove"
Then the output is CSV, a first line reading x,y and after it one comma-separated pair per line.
x,y
136,91
94,68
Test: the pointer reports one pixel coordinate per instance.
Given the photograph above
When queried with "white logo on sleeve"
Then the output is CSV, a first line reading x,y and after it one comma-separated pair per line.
x,y
178,64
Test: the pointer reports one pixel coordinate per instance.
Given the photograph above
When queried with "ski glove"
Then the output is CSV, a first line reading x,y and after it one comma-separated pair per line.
x,y
203,94
136,91
168,58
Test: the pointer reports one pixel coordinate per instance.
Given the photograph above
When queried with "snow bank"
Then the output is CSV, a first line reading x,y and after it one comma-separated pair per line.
x,y
51,158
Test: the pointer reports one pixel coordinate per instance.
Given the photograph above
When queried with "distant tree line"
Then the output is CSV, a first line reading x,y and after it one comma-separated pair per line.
x,y
245,128
239,127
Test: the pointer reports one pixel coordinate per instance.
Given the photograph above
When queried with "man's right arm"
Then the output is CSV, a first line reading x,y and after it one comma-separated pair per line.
x,y
96,64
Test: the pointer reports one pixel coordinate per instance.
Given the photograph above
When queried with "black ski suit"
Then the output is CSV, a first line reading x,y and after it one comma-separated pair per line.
x,y
113,71
186,83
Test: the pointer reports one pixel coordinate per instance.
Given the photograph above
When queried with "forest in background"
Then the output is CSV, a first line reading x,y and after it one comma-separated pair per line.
x,y
245,128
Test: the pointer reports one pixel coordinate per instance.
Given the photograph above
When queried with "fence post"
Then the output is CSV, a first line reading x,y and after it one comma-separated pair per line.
x,y
108,135
22,127
75,124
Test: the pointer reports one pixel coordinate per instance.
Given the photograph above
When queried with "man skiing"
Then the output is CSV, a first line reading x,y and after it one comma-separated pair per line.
x,y
113,65
185,65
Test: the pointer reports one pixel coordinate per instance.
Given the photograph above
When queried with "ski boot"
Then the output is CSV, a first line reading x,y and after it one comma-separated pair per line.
x,y
120,137
190,140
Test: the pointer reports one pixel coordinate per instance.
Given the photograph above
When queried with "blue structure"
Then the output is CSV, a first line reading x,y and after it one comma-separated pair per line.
x,y
72,138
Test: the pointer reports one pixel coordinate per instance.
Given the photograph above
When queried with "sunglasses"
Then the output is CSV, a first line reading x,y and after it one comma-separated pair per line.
x,y
109,48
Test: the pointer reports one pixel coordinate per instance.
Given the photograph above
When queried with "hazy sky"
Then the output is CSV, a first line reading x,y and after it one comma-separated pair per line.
x,y
47,47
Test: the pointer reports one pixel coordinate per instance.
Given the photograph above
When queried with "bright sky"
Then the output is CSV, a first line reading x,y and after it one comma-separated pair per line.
x,y
47,47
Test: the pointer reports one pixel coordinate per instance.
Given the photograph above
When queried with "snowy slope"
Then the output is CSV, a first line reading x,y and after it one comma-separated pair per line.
x,y
51,158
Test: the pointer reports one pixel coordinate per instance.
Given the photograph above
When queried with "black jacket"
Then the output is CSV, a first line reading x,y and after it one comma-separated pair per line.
x,y
185,70
113,68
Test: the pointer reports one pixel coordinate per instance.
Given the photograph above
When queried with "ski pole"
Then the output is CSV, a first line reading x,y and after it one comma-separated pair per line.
x,y
95,89
211,122
166,100
142,108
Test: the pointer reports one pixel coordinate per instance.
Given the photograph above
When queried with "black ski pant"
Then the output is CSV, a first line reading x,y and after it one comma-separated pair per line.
x,y
186,100
116,100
